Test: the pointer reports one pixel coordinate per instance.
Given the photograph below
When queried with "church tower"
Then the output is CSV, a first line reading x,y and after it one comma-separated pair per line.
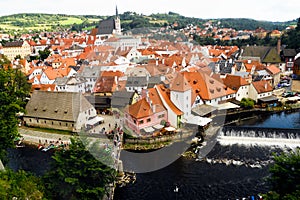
x,y
117,23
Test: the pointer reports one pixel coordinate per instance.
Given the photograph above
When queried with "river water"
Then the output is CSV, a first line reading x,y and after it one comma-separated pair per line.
x,y
194,179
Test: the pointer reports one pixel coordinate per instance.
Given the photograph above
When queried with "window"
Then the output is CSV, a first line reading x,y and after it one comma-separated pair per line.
x,y
161,116
141,122
149,120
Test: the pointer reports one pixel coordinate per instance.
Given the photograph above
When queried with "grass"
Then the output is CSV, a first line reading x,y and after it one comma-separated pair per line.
x,y
71,20
158,21
47,130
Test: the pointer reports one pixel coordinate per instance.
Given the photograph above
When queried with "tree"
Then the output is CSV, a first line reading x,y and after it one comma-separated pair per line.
x,y
13,91
76,174
285,177
44,54
247,103
20,185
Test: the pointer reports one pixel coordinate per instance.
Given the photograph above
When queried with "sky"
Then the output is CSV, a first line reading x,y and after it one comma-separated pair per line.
x,y
268,10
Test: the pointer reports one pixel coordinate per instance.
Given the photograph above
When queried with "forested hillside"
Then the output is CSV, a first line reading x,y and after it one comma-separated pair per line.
x,y
130,20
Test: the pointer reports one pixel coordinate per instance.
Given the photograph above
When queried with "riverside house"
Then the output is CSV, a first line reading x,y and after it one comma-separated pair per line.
x,y
67,111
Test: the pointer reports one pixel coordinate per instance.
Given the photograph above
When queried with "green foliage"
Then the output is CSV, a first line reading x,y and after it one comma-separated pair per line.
x,y
250,24
285,177
76,174
4,60
292,38
44,54
13,91
20,185
247,103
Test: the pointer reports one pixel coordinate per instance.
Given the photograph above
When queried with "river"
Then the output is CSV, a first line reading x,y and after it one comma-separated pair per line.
x,y
194,179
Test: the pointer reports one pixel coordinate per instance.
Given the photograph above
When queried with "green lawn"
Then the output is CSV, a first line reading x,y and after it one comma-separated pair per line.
x,y
71,20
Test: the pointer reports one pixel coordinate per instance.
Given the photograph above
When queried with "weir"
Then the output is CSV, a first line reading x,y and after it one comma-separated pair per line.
x,y
260,136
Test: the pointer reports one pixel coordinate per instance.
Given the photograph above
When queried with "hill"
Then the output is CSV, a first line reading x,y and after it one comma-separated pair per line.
x,y
25,22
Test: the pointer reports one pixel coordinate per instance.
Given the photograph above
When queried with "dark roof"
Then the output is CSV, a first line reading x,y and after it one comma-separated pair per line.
x,y
106,26
90,72
99,101
289,52
238,65
120,99
62,106
136,82
225,67
13,44
266,54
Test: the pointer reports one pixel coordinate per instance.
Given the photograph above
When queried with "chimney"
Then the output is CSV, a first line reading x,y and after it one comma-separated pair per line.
x,y
249,61
278,46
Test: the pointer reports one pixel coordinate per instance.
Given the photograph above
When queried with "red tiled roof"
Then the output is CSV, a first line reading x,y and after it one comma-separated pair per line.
x,y
273,69
234,82
180,84
165,95
140,109
262,86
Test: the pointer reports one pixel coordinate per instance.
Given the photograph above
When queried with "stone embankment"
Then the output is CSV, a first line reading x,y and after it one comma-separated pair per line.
x,y
38,137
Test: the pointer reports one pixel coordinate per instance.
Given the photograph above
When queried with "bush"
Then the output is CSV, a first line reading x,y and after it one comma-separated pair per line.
x,y
247,103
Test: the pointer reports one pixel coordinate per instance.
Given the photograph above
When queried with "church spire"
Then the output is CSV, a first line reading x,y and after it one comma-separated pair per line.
x,y
117,13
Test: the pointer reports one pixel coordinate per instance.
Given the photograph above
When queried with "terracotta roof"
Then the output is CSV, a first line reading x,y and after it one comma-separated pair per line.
x,y
207,87
52,74
164,93
234,82
105,84
262,86
273,69
43,87
112,73
140,109
154,97
180,84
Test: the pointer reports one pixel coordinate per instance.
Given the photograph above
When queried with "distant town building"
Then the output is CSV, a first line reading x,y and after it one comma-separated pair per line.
x,y
109,27
13,49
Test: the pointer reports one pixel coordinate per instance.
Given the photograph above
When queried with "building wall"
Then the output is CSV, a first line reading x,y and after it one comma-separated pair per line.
x,y
243,92
137,125
50,123
12,52
255,96
45,80
84,116
253,93
182,100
